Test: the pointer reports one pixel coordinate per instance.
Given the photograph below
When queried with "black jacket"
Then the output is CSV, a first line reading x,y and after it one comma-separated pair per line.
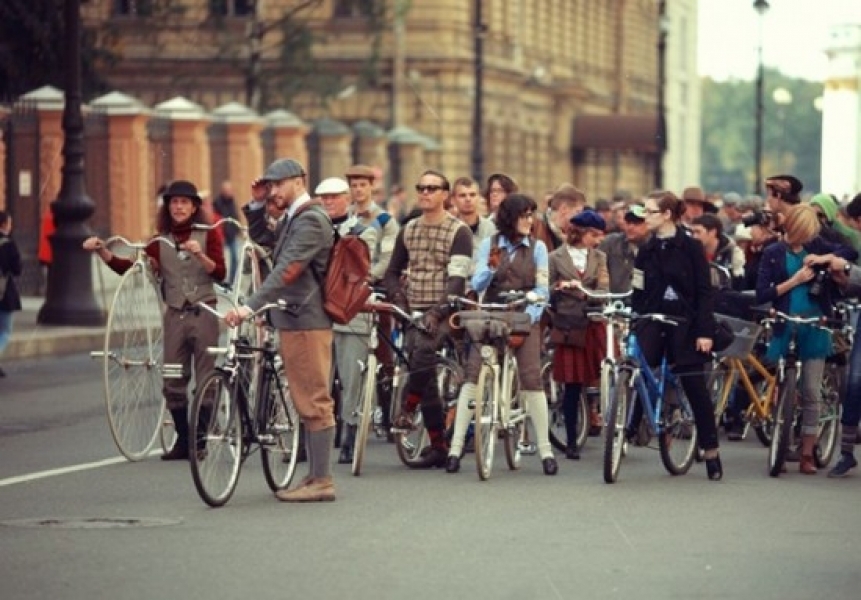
x,y
10,264
679,262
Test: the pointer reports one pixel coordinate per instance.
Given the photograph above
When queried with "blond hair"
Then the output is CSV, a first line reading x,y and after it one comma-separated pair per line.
x,y
801,224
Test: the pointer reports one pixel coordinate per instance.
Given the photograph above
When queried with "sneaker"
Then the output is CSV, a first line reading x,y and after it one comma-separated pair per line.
x,y
846,463
310,490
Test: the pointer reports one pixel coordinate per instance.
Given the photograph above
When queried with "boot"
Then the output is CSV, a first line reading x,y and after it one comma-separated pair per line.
x,y
180,425
346,456
807,464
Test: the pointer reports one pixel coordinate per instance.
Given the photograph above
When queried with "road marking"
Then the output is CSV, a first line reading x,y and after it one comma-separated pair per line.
x,y
64,470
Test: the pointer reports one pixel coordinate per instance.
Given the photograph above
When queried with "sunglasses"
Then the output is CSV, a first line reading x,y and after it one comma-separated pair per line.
x,y
421,189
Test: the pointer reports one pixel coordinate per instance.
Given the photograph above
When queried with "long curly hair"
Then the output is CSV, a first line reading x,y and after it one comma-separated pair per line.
x,y
165,224
511,209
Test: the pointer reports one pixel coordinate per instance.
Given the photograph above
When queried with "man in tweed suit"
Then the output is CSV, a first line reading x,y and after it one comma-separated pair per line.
x,y
304,241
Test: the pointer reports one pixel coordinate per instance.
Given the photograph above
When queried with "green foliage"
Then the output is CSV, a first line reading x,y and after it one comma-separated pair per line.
x,y
792,134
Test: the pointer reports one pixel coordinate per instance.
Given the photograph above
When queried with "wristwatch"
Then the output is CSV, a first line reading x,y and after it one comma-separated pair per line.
x,y
847,268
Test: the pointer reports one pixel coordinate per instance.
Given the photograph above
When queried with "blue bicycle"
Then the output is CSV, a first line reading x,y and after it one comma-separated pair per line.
x,y
666,409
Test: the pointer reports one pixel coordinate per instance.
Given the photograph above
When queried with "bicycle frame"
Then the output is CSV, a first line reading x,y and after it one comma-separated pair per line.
x,y
760,404
650,389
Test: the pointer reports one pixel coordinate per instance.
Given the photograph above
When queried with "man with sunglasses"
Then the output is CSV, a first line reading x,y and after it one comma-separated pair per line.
x,y
435,249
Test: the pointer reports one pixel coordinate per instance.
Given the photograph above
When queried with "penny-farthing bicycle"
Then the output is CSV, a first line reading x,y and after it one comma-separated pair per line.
x,y
132,356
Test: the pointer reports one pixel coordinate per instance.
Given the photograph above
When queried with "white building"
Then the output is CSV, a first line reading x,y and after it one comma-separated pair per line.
x,y
841,113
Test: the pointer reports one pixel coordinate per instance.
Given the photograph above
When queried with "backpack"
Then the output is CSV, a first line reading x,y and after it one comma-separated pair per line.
x,y
344,284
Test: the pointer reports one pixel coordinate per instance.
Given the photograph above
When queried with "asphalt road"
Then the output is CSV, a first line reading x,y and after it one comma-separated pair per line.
x,y
394,533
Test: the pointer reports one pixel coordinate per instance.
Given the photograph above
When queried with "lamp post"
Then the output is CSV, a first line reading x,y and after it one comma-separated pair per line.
x,y
69,299
761,7
663,29
478,101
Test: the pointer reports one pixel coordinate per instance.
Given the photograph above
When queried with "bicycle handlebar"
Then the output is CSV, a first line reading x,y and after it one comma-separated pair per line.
x,y
597,295
777,316
517,299
219,223
280,305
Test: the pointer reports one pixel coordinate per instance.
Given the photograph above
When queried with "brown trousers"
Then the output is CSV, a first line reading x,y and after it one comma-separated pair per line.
x,y
307,357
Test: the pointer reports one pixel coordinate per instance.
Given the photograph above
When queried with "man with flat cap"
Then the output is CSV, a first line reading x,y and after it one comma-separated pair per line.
x,y
304,242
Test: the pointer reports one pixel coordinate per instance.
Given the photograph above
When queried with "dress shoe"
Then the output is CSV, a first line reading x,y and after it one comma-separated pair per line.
x,y
452,464
714,468
550,466
572,453
310,490
806,465
432,456
178,452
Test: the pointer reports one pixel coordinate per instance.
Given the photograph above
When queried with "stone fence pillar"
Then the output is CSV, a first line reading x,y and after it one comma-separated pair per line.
x,y
131,205
49,103
244,150
284,137
330,146
189,142
406,148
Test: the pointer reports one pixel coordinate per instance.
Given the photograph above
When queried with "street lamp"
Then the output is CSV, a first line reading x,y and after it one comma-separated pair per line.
x,y
663,29
69,299
479,29
761,7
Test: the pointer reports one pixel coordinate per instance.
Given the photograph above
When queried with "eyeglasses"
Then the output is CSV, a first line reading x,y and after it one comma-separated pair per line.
x,y
527,215
652,211
421,189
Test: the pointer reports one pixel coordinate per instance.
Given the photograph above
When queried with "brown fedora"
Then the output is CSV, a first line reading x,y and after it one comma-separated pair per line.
x,y
696,194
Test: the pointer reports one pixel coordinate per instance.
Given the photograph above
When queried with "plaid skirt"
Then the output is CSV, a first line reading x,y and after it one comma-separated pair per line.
x,y
573,364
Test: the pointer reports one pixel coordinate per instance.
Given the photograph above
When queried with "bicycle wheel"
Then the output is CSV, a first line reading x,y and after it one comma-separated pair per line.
x,y
716,386
677,439
784,416
764,427
514,420
829,417
279,433
614,426
216,432
485,414
608,382
408,444
366,413
133,362
554,393
583,419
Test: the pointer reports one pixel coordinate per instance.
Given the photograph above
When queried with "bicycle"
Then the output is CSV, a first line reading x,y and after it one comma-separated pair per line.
x,y
499,412
554,391
738,363
785,413
410,443
244,403
132,356
667,411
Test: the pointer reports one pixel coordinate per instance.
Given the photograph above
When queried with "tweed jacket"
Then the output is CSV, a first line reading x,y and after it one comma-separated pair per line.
x,y
302,249
566,303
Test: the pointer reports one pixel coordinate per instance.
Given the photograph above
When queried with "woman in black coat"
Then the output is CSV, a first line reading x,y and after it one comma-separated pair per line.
x,y
10,267
671,276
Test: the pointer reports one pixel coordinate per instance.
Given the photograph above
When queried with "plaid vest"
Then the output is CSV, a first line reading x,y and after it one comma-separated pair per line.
x,y
429,249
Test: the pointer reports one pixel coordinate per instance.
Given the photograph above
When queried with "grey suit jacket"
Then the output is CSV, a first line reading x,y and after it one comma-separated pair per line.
x,y
303,244
562,268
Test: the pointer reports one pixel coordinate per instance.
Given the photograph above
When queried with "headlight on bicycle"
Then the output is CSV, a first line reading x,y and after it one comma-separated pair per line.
x,y
487,351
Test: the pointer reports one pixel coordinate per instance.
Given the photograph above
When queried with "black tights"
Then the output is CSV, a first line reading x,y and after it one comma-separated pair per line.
x,y
570,406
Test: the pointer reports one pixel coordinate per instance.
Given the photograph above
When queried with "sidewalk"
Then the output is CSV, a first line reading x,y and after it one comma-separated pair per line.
x,y
32,340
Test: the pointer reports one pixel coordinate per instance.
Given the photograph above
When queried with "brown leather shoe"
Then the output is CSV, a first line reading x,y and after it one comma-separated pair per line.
x,y
316,490
806,465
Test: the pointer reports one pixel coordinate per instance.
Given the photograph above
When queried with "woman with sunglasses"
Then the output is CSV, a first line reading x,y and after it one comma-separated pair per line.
x,y
671,277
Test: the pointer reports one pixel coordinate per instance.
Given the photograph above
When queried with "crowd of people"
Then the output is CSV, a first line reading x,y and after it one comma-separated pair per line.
x,y
686,255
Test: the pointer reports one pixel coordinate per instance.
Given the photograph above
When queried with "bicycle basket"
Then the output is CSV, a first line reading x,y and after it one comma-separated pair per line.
x,y
746,335
485,327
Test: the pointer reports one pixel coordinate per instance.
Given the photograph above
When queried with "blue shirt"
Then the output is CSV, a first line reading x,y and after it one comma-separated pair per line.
x,y
484,274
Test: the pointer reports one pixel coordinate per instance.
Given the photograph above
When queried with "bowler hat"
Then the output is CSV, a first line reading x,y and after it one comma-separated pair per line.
x,y
283,168
182,188
589,218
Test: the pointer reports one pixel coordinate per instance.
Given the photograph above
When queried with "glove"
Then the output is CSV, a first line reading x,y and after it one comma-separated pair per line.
x,y
494,259
431,321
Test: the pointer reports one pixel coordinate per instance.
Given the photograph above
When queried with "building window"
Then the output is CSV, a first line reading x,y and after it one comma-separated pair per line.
x,y
231,8
351,9
133,8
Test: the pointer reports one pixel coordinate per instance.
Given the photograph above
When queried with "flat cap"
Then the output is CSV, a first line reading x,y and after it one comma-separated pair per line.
x,y
283,168
363,171
332,185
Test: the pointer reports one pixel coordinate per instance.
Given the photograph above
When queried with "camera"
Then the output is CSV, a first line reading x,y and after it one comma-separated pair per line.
x,y
758,217
817,284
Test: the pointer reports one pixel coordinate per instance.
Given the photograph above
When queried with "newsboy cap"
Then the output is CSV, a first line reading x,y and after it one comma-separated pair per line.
x,y
332,185
788,185
283,168
589,218
363,171
181,188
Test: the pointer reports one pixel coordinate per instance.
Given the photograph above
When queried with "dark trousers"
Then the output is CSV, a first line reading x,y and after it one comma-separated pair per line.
x,y
421,350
